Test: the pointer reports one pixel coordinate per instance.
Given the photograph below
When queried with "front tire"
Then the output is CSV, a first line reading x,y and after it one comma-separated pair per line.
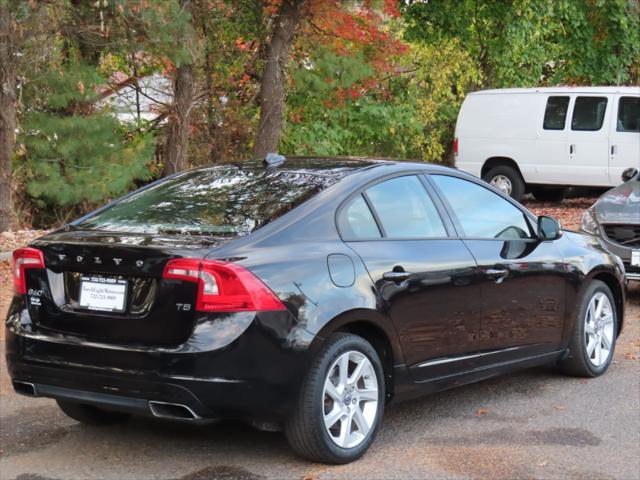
x,y
340,405
506,179
90,414
595,332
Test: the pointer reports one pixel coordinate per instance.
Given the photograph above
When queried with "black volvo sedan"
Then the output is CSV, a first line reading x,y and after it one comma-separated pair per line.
x,y
303,293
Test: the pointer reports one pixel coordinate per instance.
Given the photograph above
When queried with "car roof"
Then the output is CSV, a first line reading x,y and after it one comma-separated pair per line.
x,y
590,89
339,166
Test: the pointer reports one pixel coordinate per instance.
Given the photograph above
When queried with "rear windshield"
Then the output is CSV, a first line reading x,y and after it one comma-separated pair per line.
x,y
222,200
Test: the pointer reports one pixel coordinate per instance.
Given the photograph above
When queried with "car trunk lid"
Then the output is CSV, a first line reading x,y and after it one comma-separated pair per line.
x,y
108,287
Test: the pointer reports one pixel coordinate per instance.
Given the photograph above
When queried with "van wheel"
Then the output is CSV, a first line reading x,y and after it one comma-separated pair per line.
x,y
506,179
340,405
90,414
543,194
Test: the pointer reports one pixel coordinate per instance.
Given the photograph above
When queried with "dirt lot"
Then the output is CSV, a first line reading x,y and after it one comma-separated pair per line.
x,y
532,424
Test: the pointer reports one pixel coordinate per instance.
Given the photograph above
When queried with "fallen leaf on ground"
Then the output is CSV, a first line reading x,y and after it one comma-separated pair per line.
x,y
482,411
559,407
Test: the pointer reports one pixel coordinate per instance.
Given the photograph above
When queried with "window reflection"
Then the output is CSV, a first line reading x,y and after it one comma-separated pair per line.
x,y
482,213
405,209
223,200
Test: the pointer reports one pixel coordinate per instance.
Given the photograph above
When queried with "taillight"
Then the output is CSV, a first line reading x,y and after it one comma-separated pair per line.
x,y
455,146
24,259
223,286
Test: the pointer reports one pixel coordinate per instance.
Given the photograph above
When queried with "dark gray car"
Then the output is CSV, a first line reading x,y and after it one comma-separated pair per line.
x,y
615,217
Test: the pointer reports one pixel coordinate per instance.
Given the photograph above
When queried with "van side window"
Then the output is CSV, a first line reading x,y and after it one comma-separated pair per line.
x,y
588,113
555,114
629,114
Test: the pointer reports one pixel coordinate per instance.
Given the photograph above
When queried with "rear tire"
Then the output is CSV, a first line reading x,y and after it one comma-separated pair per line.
x,y
594,337
549,194
362,393
506,179
90,414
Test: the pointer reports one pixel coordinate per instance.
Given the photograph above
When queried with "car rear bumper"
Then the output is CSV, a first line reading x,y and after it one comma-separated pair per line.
x,y
254,375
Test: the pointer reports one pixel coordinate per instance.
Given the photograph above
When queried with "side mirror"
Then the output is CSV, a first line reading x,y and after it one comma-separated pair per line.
x,y
548,228
629,174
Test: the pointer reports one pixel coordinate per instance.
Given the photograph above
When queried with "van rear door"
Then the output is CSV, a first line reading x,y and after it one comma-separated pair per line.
x,y
624,137
588,142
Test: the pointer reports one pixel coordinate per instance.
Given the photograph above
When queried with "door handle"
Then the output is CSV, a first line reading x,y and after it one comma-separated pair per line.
x,y
497,274
396,277
572,149
613,150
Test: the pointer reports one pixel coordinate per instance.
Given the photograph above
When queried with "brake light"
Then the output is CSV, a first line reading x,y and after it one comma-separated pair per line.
x,y
223,286
24,259
455,146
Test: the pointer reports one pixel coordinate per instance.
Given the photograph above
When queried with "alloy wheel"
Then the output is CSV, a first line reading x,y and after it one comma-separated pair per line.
x,y
502,183
350,399
599,329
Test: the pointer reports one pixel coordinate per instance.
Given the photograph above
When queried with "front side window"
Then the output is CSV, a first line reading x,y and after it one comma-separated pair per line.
x,y
482,213
628,114
222,200
405,209
356,221
555,114
588,113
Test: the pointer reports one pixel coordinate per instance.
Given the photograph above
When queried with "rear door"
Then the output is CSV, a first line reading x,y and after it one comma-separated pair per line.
x,y
624,138
588,148
523,279
424,275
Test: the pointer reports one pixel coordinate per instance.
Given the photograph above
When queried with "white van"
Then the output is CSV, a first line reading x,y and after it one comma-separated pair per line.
x,y
543,140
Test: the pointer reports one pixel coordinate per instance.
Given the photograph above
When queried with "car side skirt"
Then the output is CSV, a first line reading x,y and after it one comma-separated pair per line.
x,y
407,389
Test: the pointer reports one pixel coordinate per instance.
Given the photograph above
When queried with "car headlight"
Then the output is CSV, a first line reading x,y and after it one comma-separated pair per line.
x,y
589,223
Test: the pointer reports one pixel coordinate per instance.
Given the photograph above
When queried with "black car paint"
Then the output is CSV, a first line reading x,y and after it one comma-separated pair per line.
x,y
447,324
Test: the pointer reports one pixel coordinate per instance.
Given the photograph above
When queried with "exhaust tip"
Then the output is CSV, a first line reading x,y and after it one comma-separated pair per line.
x,y
25,388
173,411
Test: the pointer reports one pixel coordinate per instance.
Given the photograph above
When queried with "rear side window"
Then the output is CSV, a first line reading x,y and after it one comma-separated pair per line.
x,y
555,115
588,113
628,114
223,200
482,213
405,210
356,221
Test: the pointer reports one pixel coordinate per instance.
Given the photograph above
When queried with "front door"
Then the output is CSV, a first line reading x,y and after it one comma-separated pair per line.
x,y
550,159
588,142
424,275
624,138
523,281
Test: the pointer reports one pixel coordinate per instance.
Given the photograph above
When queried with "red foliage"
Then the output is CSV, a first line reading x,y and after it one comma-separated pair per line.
x,y
349,31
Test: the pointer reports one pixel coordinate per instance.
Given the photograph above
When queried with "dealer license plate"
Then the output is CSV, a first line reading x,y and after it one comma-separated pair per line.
x,y
635,258
103,294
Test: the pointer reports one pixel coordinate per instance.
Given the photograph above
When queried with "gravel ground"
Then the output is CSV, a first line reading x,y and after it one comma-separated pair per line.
x,y
532,424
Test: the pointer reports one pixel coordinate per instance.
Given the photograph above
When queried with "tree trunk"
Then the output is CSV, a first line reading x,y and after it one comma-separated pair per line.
x,y
178,137
178,127
8,106
272,89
